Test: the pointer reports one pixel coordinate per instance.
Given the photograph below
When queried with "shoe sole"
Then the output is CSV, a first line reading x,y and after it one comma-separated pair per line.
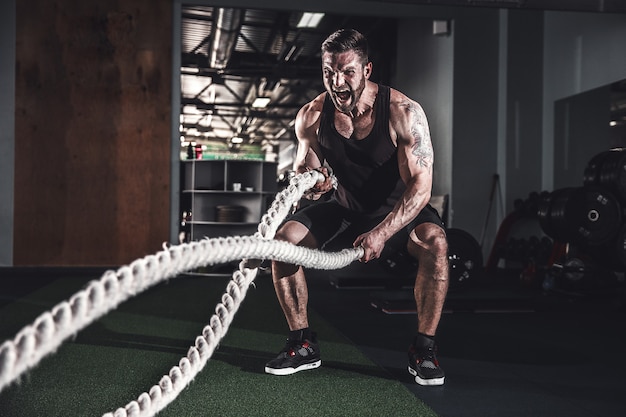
x,y
289,371
426,382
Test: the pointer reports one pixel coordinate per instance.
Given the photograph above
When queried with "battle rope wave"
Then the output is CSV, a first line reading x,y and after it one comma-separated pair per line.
x,y
51,328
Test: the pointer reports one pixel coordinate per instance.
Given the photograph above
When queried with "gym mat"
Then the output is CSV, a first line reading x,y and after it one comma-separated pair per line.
x,y
127,351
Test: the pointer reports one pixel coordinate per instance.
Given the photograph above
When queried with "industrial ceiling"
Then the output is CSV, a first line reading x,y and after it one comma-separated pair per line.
x,y
232,57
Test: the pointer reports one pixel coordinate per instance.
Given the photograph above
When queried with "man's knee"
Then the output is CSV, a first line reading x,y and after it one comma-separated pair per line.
x,y
439,245
429,238
294,233
429,246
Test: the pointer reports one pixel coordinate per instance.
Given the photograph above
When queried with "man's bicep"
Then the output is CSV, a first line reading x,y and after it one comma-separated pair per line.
x,y
306,156
419,137
313,160
415,147
412,168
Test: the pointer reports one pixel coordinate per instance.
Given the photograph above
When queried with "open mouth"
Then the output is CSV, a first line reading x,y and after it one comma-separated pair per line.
x,y
343,95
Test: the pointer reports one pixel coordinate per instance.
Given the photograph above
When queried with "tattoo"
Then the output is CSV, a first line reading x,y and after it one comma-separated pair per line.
x,y
421,147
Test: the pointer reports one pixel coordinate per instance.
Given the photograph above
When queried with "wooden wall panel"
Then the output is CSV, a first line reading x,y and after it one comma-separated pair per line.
x,y
92,146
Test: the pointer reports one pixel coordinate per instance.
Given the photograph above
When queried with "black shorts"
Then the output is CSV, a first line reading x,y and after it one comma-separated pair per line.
x,y
336,227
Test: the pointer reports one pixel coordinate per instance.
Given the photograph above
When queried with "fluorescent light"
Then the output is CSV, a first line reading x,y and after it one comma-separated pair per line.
x,y
292,50
190,70
261,102
310,20
236,139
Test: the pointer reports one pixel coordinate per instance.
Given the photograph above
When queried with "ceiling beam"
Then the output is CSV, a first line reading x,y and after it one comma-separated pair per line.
x,y
234,104
247,65
603,6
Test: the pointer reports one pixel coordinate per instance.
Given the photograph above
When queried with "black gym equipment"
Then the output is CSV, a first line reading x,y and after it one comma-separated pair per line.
x,y
608,170
396,269
612,255
588,221
465,260
580,215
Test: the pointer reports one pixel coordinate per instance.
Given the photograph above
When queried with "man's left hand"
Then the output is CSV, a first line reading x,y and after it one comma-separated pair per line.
x,y
372,244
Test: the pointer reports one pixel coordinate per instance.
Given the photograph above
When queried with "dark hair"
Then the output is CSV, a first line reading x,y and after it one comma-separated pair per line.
x,y
344,40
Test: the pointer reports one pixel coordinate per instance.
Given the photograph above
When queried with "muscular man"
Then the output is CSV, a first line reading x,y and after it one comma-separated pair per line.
x,y
377,142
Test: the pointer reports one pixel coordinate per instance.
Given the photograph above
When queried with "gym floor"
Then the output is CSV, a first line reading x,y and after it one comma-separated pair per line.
x,y
508,349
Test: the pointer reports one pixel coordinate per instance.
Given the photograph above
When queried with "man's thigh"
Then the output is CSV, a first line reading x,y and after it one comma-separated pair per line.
x,y
323,220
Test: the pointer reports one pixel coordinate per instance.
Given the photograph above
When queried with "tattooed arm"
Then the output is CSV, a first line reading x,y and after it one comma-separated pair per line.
x,y
409,128
415,161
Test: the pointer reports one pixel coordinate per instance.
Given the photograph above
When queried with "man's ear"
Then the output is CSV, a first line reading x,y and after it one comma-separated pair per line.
x,y
368,70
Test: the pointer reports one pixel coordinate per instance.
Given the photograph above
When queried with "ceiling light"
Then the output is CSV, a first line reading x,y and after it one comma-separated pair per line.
x,y
290,53
290,50
261,102
190,70
236,139
190,109
310,20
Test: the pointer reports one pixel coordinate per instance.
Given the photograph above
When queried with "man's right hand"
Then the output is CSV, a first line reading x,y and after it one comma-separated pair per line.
x,y
321,187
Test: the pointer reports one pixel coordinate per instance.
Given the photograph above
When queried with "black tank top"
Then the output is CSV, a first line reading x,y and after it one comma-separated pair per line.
x,y
366,169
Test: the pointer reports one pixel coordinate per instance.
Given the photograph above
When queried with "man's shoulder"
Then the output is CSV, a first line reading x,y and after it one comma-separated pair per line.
x,y
312,109
315,105
307,120
399,99
401,105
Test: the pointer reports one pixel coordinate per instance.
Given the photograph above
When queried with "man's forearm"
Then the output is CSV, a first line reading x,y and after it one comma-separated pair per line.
x,y
412,201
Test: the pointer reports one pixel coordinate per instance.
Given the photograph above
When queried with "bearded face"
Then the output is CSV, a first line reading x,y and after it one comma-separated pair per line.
x,y
344,78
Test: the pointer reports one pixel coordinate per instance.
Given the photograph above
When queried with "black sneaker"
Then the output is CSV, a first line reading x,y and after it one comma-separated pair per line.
x,y
423,363
297,355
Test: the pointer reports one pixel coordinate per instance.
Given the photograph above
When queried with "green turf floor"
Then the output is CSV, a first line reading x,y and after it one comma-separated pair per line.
x,y
126,352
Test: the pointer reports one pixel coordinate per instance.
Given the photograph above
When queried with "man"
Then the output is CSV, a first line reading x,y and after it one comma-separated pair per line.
x,y
377,142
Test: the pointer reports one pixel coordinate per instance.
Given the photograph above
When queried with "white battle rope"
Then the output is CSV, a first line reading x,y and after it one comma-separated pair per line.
x,y
51,328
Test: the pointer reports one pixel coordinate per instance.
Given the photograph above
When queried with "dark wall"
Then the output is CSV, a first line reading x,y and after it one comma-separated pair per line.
x,y
475,108
92,131
524,110
581,130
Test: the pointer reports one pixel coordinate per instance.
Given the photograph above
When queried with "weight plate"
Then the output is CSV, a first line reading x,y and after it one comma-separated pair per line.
x,y
584,215
608,169
464,256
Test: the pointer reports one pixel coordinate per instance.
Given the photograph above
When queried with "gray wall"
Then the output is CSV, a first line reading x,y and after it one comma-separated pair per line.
x,y
581,130
523,112
582,51
7,133
426,76
474,155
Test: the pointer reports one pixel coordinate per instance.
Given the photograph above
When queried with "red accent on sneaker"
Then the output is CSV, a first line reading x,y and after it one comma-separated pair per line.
x,y
292,352
305,344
